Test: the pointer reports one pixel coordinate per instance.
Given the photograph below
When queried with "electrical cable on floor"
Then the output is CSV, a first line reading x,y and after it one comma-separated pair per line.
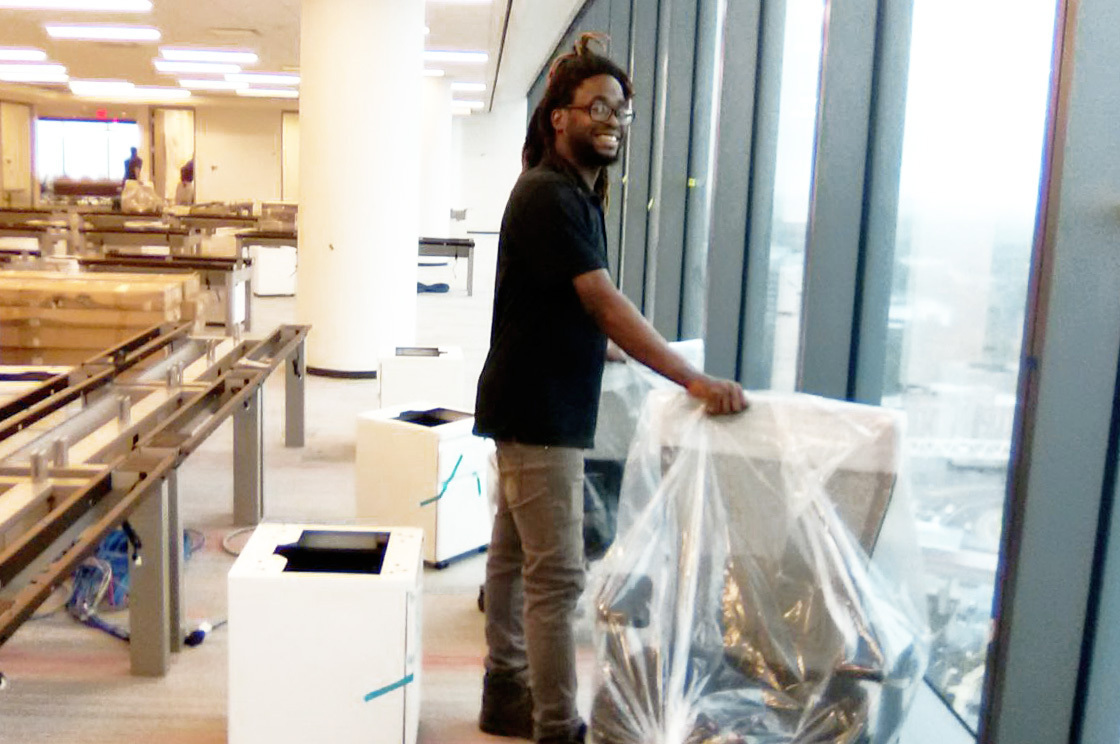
x,y
229,537
103,579
92,580
198,635
45,612
195,540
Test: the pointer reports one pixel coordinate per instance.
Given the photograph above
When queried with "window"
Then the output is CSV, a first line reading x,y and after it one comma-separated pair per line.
x,y
972,151
81,149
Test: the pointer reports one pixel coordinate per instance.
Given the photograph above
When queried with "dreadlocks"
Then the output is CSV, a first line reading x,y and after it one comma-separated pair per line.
x,y
565,75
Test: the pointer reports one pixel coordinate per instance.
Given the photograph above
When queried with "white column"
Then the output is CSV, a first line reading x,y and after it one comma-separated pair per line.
x,y
360,111
435,160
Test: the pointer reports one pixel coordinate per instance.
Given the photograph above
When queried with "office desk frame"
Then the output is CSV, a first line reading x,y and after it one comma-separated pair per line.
x,y
129,468
454,248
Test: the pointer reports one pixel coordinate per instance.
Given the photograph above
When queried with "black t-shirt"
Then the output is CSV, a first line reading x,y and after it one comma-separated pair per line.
x,y
541,380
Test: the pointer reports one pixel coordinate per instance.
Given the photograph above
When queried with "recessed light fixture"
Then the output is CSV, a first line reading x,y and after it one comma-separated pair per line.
x,y
469,87
234,56
103,32
123,6
429,72
22,54
234,33
473,105
211,84
448,55
203,68
268,92
263,78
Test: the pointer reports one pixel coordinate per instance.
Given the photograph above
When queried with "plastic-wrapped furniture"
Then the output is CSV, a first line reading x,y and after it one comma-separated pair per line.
x,y
624,388
324,635
738,603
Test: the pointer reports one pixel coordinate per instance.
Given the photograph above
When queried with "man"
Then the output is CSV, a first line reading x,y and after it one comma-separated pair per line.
x,y
554,308
184,192
132,167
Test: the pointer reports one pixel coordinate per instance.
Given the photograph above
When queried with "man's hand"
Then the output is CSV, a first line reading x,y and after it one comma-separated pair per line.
x,y
719,396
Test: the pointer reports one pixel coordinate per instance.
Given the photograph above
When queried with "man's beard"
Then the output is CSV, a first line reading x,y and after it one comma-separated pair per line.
x,y
587,156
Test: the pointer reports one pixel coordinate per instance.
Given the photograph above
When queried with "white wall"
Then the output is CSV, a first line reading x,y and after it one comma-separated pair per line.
x,y
490,161
237,154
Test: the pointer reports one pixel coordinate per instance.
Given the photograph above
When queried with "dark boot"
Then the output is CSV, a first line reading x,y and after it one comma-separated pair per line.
x,y
507,706
576,737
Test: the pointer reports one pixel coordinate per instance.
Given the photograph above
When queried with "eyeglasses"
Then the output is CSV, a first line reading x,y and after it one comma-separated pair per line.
x,y
600,111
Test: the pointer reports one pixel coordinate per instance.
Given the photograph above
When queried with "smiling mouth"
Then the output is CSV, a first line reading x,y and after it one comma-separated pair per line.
x,y
608,140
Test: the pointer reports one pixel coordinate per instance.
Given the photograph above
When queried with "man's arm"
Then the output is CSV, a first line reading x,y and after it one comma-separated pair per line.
x,y
617,317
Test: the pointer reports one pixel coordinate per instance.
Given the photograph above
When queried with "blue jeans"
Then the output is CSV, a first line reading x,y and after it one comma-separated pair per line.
x,y
534,576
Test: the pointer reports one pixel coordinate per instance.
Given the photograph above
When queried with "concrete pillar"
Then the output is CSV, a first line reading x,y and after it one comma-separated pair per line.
x,y
435,160
361,65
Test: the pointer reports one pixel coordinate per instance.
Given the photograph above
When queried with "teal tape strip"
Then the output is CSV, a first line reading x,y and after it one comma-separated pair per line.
x,y
443,488
389,688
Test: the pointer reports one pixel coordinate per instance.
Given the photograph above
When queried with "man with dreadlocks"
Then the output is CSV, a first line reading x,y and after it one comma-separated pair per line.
x,y
554,308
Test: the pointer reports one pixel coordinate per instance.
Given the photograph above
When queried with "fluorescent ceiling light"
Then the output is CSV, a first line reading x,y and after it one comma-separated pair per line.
x,y
268,92
103,33
157,92
123,89
101,87
35,78
203,68
15,69
32,73
125,6
460,111
428,72
473,105
211,85
446,55
263,78
237,57
22,54
469,87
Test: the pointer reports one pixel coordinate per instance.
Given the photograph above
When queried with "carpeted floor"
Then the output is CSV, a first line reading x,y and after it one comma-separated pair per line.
x,y
71,684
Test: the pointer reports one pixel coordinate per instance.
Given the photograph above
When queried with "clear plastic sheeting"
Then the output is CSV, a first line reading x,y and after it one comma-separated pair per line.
x,y
140,197
624,388
738,603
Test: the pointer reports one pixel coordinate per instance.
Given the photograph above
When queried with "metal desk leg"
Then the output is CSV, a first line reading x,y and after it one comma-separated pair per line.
x,y
248,283
231,321
296,372
149,587
175,561
470,272
248,470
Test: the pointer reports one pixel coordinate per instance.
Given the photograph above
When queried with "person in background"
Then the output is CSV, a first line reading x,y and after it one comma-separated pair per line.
x,y
184,192
555,306
132,167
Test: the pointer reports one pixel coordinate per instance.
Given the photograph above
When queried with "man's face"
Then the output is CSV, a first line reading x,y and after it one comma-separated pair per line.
x,y
593,143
